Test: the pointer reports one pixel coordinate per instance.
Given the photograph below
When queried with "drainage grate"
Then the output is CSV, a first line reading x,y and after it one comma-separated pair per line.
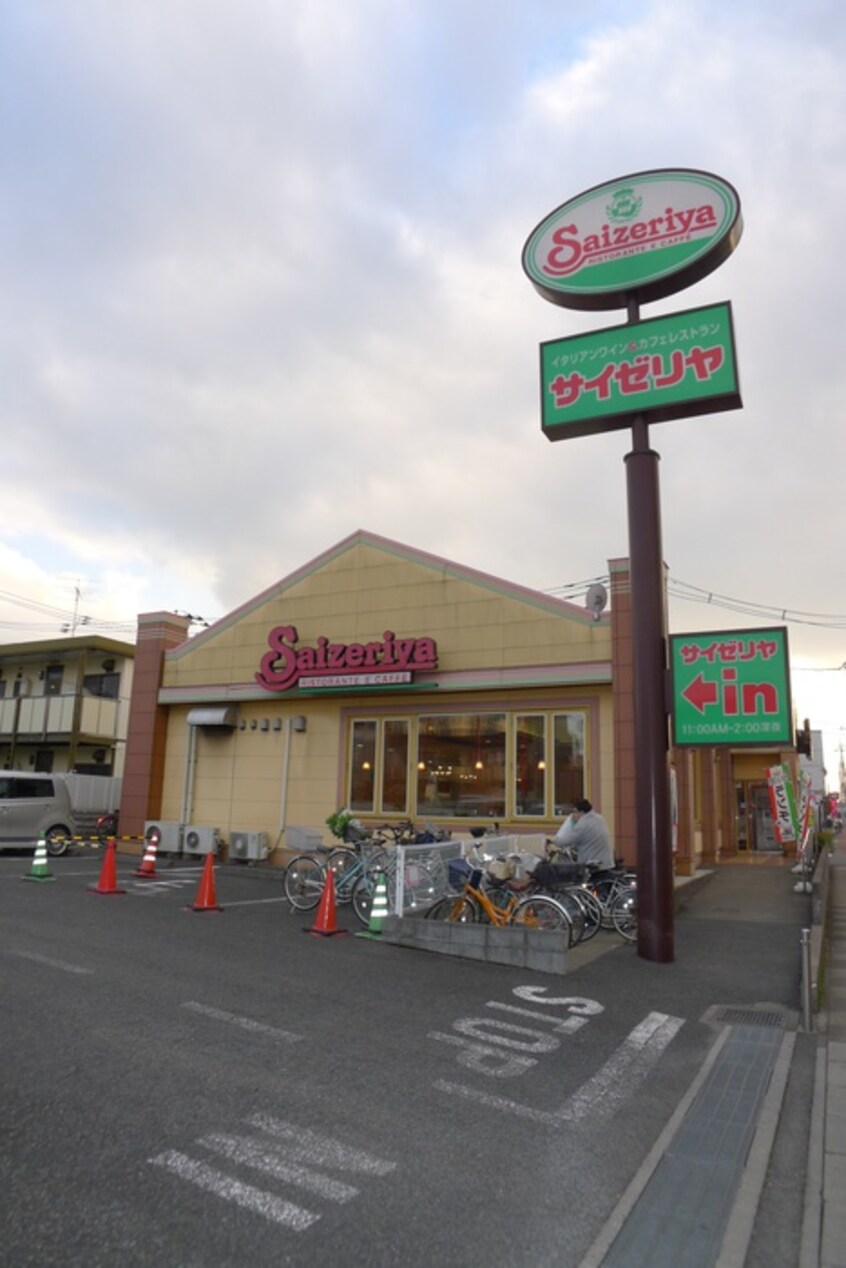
x,y
749,1017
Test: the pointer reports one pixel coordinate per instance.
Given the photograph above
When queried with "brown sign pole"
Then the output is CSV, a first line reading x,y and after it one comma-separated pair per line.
x,y
649,658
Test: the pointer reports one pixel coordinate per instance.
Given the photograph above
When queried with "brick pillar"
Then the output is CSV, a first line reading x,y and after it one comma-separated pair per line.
x,y
728,805
143,772
710,836
622,688
686,849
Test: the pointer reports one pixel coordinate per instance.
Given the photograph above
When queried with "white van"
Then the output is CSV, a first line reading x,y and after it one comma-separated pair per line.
x,y
35,805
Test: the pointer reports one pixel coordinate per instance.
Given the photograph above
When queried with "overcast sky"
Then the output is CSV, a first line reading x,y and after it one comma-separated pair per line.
x,y
262,287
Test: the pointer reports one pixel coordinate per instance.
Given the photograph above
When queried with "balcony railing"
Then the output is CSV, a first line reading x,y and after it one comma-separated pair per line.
x,y
34,716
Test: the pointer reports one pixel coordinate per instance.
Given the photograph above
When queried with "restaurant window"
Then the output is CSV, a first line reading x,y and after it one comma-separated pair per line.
x,y
379,766
394,766
568,757
362,766
461,765
530,764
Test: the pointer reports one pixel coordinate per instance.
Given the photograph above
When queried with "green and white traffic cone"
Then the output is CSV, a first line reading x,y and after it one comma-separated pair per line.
x,y
40,867
379,907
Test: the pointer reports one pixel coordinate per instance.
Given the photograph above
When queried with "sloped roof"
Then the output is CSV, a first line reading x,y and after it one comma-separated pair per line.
x,y
408,554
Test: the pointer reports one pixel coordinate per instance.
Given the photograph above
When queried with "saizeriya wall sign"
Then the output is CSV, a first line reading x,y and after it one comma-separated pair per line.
x,y
381,663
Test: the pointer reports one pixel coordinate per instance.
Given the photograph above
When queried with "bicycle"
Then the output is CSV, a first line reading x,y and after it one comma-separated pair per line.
x,y
581,907
610,894
305,875
484,900
356,868
419,884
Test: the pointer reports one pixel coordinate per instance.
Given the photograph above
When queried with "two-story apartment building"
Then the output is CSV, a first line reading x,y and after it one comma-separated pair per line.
x,y
64,704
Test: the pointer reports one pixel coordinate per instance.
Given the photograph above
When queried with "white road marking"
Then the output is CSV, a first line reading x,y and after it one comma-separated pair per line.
x,y
626,1069
567,1026
53,964
205,1177
491,1030
246,1023
500,1103
252,1153
254,902
278,1159
601,1096
158,886
310,1146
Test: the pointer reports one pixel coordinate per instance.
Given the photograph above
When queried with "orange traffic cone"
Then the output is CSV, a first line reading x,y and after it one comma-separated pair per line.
x,y
147,868
325,924
206,900
107,883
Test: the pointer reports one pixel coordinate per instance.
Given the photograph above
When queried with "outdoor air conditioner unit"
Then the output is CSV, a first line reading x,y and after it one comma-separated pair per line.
x,y
248,845
168,835
199,840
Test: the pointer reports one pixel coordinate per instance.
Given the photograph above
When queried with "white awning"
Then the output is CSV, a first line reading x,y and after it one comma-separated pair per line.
x,y
224,715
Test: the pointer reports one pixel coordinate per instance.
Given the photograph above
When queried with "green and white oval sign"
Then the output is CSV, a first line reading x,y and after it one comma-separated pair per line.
x,y
639,237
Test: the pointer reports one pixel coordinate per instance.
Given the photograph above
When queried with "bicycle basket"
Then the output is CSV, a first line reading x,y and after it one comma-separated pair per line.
x,y
501,869
549,875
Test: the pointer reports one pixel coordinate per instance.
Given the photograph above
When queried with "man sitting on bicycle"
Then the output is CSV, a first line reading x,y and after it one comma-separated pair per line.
x,y
585,834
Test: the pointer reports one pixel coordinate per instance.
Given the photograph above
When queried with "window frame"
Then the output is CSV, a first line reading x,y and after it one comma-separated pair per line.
x,y
413,723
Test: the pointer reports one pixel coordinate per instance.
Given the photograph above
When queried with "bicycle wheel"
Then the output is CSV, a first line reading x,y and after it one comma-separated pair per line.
x,y
576,913
624,914
419,886
542,912
345,865
457,909
362,897
604,891
304,881
591,909
376,859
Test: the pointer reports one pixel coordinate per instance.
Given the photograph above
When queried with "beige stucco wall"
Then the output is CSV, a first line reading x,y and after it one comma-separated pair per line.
x,y
357,596
479,624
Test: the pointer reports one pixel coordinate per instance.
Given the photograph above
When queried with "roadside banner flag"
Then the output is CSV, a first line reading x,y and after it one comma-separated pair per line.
x,y
783,804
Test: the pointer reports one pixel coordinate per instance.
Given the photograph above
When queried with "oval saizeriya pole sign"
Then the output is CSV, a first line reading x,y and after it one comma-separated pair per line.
x,y
639,237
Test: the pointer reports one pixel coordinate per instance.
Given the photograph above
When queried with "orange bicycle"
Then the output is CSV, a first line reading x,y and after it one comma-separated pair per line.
x,y
498,903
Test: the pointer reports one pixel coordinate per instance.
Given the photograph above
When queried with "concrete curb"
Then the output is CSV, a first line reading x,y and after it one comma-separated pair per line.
x,y
543,950
809,1246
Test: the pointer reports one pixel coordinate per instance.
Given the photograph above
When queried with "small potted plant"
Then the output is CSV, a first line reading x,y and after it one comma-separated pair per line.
x,y
338,822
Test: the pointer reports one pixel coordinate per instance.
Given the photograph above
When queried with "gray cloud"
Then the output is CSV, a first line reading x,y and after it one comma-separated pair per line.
x,y
263,287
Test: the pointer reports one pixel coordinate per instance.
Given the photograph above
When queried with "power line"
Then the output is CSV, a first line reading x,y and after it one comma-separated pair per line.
x,y
697,594
687,592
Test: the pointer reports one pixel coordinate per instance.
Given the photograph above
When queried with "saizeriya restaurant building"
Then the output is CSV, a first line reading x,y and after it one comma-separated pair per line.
x,y
399,684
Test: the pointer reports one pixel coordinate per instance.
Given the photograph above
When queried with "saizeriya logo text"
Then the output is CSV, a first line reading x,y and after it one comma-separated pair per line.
x,y
285,663
571,251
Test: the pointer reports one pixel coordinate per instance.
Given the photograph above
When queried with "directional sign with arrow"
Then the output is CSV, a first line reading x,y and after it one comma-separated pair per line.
x,y
731,687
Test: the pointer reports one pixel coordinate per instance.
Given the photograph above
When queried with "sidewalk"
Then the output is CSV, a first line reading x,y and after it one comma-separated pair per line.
x,y
824,1228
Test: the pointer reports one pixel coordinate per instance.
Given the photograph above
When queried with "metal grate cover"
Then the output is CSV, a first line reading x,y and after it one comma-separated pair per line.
x,y
749,1017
